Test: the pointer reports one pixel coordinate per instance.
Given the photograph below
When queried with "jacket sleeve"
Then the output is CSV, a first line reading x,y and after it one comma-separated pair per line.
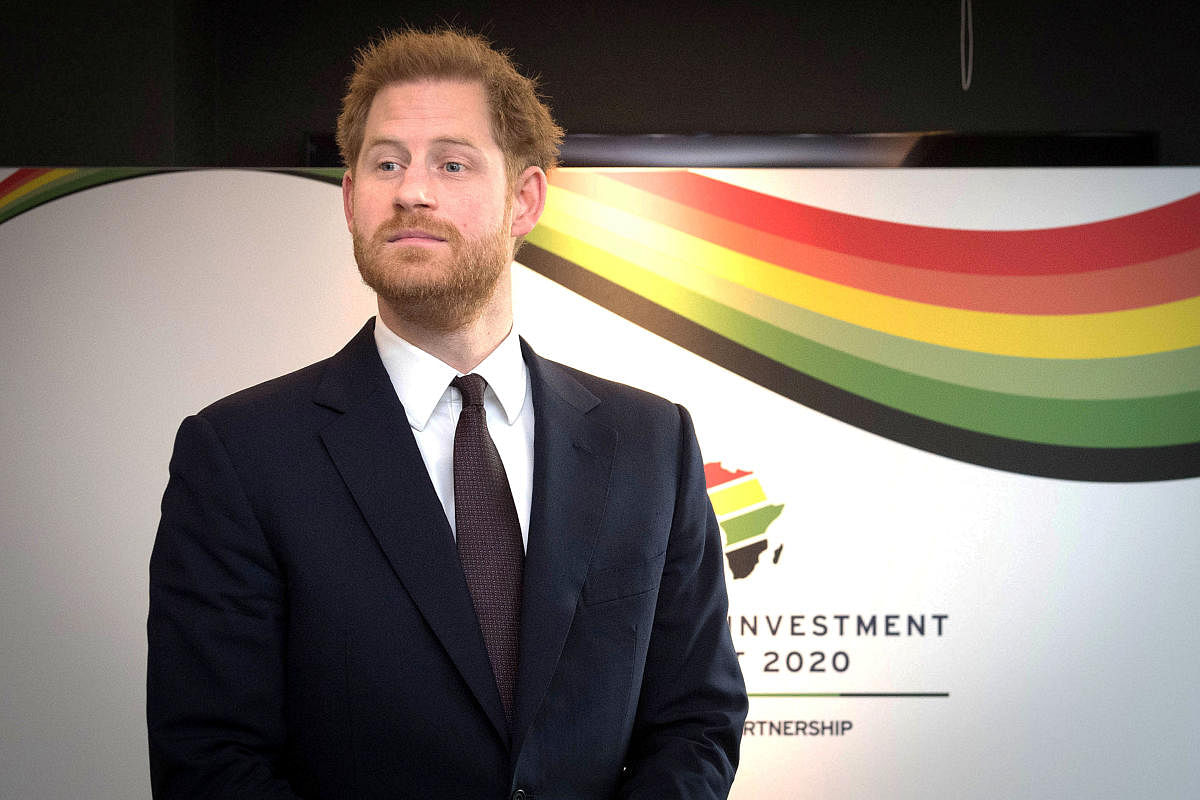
x,y
214,690
693,701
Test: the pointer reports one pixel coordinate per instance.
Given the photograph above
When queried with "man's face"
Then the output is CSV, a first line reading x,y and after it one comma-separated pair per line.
x,y
428,203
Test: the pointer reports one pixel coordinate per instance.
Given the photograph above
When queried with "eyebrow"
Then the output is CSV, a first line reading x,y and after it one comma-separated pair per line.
x,y
399,145
457,141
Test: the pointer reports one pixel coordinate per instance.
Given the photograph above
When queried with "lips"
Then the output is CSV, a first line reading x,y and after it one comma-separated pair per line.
x,y
416,230
414,233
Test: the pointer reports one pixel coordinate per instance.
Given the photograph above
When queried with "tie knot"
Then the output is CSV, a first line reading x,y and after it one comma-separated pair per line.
x,y
471,386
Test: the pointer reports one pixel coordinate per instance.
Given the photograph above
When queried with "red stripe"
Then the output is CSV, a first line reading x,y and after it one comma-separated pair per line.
x,y
715,474
19,179
1175,277
1136,238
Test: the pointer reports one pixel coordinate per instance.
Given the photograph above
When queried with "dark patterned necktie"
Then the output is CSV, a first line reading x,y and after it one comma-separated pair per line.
x,y
489,536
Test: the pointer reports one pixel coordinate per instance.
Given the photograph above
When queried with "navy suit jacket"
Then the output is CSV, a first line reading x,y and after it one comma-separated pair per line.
x,y
311,634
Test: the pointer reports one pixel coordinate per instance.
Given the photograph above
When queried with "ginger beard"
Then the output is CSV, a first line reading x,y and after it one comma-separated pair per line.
x,y
436,290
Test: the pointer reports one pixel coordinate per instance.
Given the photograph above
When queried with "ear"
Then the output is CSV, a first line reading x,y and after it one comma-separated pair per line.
x,y
348,199
528,200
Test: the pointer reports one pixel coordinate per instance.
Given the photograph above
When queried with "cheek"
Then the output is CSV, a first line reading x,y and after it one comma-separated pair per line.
x,y
471,218
486,217
369,212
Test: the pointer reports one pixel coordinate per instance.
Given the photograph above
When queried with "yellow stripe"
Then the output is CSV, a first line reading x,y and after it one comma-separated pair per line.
x,y
693,262
36,183
739,495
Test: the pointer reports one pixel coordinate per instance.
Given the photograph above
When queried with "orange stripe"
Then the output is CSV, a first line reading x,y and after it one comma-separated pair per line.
x,y
1167,279
17,180
1132,239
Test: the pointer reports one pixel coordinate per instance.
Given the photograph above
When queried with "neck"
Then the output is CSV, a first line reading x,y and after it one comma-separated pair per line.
x,y
462,348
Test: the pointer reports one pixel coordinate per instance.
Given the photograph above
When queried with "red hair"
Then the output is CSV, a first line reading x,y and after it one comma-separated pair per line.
x,y
521,123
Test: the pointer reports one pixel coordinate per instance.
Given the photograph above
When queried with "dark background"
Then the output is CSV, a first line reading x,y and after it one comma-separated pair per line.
x,y
191,83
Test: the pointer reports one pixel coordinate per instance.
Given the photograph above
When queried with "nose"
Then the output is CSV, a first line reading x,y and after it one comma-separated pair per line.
x,y
416,189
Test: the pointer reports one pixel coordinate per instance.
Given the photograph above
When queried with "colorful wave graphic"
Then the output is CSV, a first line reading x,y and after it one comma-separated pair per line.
x,y
30,187
27,188
744,515
1070,352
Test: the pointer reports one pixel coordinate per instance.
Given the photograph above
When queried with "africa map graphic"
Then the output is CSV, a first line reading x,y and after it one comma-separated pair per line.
x,y
744,515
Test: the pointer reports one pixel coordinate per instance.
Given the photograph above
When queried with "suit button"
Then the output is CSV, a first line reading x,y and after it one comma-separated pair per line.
x,y
519,794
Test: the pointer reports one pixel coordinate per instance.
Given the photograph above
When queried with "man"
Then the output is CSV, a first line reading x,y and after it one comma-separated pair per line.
x,y
361,590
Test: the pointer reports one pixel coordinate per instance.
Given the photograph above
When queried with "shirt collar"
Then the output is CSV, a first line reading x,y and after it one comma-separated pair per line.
x,y
420,379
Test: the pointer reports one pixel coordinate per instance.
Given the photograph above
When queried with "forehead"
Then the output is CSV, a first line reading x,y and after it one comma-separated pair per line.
x,y
432,107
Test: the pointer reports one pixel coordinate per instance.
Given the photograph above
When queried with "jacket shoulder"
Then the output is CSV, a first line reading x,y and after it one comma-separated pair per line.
x,y
272,397
337,382
609,397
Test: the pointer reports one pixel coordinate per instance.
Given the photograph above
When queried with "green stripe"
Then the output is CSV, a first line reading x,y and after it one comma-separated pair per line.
x,y
1149,375
82,178
745,526
87,177
323,174
1141,422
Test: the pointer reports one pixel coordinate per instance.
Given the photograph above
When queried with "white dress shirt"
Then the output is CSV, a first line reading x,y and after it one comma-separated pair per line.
x,y
422,382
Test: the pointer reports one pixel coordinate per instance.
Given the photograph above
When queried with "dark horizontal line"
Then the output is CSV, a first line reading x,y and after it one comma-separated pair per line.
x,y
1096,464
909,149
849,694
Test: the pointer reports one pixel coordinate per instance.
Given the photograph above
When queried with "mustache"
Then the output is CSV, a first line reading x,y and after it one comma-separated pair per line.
x,y
410,221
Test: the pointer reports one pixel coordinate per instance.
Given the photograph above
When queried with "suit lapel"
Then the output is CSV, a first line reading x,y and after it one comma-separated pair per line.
x,y
571,470
375,452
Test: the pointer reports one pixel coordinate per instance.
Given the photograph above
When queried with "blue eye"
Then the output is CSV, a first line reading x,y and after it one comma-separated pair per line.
x,y
455,166
389,166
